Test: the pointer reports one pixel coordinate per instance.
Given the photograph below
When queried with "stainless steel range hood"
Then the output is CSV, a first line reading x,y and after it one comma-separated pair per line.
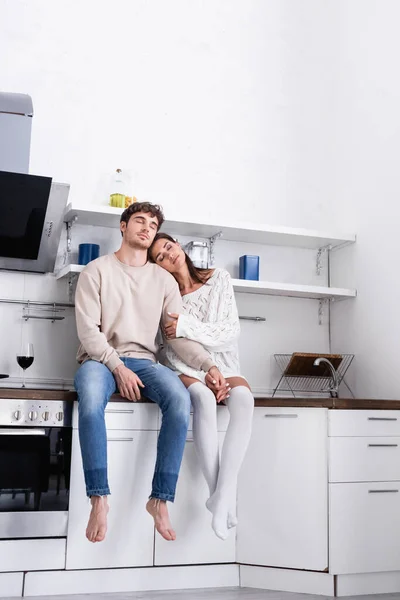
x,y
50,234
16,112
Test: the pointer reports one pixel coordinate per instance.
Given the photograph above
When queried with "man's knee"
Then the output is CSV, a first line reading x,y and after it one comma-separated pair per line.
x,y
178,405
93,383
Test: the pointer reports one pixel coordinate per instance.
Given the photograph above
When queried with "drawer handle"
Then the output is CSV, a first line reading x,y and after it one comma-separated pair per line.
x,y
285,416
382,491
119,411
119,439
382,418
382,445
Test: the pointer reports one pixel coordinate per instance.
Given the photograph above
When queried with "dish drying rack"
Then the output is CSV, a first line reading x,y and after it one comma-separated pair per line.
x,y
299,375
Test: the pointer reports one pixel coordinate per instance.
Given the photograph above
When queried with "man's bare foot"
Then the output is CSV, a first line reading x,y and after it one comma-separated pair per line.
x,y
159,511
97,525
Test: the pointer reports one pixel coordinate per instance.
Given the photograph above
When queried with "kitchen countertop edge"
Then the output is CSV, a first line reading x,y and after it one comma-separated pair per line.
x,y
331,403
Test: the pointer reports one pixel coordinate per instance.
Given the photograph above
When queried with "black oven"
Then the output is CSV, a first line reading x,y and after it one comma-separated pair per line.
x,y
35,465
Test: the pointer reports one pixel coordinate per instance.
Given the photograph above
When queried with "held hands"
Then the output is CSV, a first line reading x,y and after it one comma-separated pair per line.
x,y
214,378
128,383
170,326
217,384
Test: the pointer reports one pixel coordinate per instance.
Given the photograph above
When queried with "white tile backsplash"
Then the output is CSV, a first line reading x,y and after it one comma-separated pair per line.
x,y
11,285
55,344
10,338
45,288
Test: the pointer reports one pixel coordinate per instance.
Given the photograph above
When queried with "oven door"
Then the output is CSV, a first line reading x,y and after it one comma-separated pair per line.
x,y
35,464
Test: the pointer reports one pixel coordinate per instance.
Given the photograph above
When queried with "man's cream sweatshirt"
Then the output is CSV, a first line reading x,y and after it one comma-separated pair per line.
x,y
119,309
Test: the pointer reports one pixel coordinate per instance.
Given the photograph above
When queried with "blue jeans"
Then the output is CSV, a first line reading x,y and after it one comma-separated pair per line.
x,y
95,384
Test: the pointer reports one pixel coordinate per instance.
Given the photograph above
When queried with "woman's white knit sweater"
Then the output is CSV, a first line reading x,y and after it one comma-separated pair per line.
x,y
210,317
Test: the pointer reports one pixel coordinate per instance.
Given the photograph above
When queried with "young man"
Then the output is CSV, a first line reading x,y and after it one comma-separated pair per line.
x,y
121,299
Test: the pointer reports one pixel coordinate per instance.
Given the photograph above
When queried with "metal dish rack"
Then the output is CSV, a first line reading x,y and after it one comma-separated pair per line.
x,y
320,383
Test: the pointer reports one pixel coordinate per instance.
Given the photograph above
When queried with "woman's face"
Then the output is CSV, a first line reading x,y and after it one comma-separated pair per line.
x,y
169,255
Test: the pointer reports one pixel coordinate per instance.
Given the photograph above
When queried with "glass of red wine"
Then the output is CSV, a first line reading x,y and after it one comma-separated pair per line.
x,y
25,358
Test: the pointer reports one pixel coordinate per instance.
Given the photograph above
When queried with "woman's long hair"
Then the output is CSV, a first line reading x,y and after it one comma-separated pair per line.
x,y
197,275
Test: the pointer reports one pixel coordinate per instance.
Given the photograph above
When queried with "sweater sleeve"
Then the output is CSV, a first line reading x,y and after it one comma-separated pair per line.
x,y
220,335
88,321
190,352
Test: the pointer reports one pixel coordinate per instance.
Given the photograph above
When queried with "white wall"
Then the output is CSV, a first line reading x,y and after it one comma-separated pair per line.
x,y
215,106
367,192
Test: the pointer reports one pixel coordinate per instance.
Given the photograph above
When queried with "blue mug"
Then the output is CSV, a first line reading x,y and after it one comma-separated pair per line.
x,y
87,253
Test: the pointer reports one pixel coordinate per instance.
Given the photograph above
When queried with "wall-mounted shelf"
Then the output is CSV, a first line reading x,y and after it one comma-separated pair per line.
x,y
293,290
267,288
69,270
107,216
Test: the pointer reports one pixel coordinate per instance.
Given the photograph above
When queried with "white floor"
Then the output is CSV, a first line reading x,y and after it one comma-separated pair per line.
x,y
209,594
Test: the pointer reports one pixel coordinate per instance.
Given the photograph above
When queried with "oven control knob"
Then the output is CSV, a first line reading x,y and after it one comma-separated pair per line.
x,y
46,415
32,415
59,416
17,415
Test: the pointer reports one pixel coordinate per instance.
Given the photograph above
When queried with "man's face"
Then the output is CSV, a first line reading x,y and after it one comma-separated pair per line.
x,y
140,231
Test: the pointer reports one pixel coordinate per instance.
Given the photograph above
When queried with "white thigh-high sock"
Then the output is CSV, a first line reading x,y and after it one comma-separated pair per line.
x,y
205,434
241,407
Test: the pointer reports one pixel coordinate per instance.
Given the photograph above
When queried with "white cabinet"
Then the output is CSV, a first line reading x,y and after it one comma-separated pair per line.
x,y
360,459
364,527
130,536
356,423
11,585
283,491
32,555
364,491
127,415
196,542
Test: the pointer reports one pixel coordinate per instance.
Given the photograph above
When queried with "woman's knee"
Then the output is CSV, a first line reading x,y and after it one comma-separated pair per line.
x,y
202,399
241,400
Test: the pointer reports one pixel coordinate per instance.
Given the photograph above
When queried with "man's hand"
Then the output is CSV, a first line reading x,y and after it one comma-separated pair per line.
x,y
128,383
170,327
217,384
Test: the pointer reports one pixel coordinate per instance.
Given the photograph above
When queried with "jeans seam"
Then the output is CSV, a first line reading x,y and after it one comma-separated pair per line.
x,y
162,496
98,492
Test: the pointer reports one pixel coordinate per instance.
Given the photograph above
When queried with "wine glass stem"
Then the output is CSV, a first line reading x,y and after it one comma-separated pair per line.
x,y
23,378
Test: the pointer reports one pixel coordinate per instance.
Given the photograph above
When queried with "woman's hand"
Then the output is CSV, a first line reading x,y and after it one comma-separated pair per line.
x,y
170,326
217,384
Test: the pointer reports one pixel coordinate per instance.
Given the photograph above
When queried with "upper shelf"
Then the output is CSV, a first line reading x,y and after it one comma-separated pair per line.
x,y
108,216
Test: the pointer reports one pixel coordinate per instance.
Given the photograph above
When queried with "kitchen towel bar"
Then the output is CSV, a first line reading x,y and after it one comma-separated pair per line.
x,y
258,319
43,312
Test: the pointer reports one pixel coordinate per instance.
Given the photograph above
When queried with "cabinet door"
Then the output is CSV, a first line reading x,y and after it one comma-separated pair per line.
x,y
282,500
130,536
196,542
360,459
364,526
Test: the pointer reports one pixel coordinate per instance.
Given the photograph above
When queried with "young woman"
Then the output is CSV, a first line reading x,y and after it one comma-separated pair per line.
x,y
210,317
